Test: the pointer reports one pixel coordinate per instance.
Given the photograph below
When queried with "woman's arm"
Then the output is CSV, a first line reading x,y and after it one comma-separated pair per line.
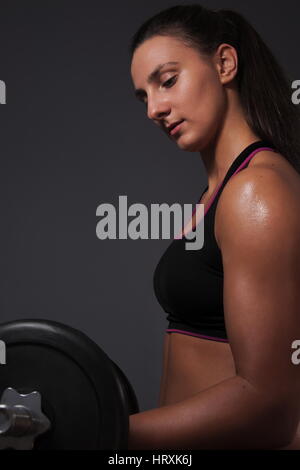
x,y
229,415
260,406
164,370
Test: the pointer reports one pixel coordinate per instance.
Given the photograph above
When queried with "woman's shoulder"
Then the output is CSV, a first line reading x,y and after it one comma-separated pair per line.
x,y
268,188
273,160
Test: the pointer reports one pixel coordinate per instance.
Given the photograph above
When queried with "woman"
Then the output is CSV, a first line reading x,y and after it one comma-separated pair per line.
x,y
228,380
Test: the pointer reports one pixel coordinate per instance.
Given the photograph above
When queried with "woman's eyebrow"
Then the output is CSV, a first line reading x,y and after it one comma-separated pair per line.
x,y
153,76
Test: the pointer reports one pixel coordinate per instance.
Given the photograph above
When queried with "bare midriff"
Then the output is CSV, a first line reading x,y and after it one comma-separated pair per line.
x,y
192,364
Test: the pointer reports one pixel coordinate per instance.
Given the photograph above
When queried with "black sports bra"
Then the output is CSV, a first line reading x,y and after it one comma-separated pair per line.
x,y
189,283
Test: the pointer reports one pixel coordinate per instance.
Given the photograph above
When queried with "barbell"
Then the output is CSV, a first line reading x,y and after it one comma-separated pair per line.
x,y
59,390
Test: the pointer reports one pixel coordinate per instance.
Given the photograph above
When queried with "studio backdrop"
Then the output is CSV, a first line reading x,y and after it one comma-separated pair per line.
x,y
73,137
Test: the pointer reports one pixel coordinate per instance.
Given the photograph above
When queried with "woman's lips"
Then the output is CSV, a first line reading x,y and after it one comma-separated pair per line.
x,y
176,128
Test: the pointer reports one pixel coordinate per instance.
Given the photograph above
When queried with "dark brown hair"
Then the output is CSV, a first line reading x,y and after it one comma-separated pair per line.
x,y
263,87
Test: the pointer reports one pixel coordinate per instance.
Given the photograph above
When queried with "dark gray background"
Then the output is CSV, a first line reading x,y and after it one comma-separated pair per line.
x,y
72,137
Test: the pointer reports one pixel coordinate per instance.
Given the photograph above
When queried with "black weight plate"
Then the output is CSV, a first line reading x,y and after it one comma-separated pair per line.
x,y
79,385
127,390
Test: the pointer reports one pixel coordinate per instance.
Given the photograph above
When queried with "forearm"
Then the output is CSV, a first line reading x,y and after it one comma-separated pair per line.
x,y
229,415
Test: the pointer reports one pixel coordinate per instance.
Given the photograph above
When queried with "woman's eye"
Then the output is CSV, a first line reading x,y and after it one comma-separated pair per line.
x,y
166,84
169,82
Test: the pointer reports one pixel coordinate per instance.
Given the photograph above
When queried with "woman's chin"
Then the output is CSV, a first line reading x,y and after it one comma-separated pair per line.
x,y
188,145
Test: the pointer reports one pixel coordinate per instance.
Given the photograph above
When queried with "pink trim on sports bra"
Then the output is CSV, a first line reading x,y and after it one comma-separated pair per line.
x,y
214,338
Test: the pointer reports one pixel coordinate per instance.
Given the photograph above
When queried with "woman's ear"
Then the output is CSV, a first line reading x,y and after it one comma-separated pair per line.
x,y
226,62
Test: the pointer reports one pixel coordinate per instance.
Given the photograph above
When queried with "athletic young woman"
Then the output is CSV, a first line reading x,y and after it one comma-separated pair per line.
x,y
212,85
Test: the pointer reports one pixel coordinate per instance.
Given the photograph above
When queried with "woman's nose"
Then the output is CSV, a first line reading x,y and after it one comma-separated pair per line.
x,y
157,109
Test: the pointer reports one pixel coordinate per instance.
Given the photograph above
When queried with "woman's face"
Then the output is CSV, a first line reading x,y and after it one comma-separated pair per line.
x,y
188,89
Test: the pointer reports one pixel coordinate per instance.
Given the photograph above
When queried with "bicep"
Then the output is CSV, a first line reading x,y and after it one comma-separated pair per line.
x,y
261,262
